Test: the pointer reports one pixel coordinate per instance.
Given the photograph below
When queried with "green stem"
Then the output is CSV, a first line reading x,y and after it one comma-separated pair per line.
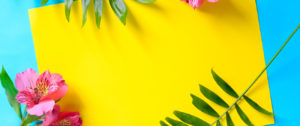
x,y
258,75
23,116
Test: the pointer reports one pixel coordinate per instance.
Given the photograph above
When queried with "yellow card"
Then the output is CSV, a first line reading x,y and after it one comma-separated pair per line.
x,y
138,74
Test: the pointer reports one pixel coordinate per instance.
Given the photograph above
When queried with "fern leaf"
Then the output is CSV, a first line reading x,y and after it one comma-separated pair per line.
x,y
213,96
256,106
174,122
228,120
162,123
190,119
227,88
219,124
85,6
243,115
68,5
203,106
98,4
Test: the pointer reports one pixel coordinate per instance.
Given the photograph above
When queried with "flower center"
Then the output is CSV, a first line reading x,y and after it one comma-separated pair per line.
x,y
64,122
41,90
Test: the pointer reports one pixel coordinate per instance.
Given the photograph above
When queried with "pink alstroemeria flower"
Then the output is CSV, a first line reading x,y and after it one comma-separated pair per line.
x,y
57,118
198,3
39,92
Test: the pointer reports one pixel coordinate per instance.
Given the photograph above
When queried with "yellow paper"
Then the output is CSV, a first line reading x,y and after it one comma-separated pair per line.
x,y
138,74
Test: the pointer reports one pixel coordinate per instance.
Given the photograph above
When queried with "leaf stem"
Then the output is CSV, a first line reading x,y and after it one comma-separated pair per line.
x,y
257,76
23,116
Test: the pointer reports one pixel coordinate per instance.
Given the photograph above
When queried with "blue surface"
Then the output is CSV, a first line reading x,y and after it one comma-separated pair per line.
x,y
277,20
16,47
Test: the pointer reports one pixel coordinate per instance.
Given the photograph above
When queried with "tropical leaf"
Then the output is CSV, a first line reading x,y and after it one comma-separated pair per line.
x,y
44,2
227,88
228,120
213,96
98,11
203,106
162,123
85,6
68,5
256,106
190,119
218,123
174,122
119,7
145,1
243,115
10,91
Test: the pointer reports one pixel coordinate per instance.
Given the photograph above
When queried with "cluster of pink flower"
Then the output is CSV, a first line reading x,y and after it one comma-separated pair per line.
x,y
40,92
198,3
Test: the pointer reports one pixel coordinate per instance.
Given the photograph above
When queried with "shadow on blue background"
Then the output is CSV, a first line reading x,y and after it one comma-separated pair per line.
x,y
277,18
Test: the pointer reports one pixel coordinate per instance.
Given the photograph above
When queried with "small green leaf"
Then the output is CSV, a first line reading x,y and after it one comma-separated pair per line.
x,y
212,96
98,11
162,123
85,6
228,120
68,5
120,9
190,119
218,123
256,106
203,106
243,115
175,122
31,118
10,91
44,2
227,88
145,1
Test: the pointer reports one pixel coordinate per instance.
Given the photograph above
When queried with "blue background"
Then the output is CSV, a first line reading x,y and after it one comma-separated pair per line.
x,y
277,20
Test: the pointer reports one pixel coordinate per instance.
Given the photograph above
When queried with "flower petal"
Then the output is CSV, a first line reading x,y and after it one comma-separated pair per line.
x,y
58,94
25,97
26,80
73,117
213,1
41,108
55,81
195,3
51,116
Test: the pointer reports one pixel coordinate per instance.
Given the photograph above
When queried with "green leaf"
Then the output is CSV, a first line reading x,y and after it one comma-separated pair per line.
x,y
218,123
212,96
98,11
145,1
190,119
243,115
224,85
256,106
85,6
10,91
31,118
203,106
228,120
162,123
44,2
68,5
120,9
175,122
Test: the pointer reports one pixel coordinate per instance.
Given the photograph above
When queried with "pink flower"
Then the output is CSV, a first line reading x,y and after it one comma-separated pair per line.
x,y
197,3
39,92
57,118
